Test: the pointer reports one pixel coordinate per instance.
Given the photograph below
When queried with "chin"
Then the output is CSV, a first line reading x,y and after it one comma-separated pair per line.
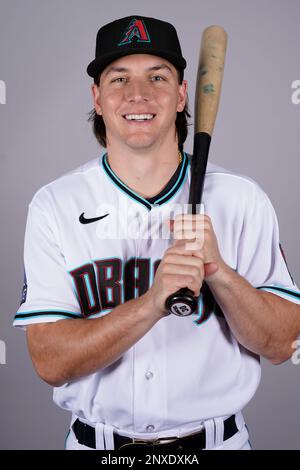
x,y
140,143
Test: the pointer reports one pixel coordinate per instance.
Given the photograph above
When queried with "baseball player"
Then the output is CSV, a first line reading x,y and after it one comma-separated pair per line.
x,y
107,243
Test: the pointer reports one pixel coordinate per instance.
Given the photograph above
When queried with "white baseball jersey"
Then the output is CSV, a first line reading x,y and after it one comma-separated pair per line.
x,y
185,369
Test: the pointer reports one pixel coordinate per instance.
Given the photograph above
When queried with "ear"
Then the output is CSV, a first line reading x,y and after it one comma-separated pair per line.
x,y
96,99
182,96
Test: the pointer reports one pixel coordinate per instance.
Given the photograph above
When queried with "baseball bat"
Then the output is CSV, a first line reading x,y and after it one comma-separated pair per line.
x,y
207,97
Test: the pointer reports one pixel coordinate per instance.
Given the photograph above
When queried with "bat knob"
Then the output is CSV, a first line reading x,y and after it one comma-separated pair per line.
x,y
182,303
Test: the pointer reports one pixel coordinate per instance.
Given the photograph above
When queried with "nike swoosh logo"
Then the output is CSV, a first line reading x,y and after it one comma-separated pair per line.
x,y
83,220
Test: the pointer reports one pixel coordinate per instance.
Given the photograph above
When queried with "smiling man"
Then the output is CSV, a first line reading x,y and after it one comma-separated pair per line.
x,y
138,97
93,302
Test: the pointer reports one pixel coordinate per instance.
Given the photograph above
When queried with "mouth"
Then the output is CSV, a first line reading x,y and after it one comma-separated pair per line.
x,y
139,117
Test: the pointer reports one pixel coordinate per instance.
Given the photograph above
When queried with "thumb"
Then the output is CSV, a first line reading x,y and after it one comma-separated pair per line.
x,y
210,269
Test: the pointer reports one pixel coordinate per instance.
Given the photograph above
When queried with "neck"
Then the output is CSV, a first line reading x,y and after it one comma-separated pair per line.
x,y
145,172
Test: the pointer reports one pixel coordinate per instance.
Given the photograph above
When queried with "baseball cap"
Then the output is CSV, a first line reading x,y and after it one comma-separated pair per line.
x,y
136,35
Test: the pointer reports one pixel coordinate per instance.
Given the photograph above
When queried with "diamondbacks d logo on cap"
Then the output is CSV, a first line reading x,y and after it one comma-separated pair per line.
x,y
135,31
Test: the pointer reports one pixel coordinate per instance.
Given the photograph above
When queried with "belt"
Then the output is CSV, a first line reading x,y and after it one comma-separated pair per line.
x,y
85,435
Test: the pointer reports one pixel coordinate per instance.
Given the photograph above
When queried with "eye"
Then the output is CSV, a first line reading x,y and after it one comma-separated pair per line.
x,y
157,78
119,80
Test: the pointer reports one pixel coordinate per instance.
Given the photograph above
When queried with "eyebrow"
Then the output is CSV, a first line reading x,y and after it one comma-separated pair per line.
x,y
150,69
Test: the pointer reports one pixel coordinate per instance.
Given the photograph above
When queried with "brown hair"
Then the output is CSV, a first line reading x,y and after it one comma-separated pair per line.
x,y
181,121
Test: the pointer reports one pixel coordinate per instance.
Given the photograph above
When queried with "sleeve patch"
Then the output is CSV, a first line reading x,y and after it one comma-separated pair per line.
x,y
24,290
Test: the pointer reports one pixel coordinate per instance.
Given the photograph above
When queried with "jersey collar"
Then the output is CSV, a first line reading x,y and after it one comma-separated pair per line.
x,y
164,196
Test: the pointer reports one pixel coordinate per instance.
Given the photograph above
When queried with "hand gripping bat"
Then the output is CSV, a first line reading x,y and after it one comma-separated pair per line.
x,y
207,97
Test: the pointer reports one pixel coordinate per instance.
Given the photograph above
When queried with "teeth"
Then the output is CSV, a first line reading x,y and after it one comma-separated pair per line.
x,y
139,117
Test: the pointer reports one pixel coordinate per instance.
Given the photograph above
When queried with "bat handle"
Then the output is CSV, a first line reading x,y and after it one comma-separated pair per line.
x,y
182,303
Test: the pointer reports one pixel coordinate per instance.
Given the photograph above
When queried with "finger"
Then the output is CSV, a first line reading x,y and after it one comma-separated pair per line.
x,y
174,282
192,217
189,231
189,216
181,247
210,269
195,246
189,235
192,277
197,224
174,258
193,269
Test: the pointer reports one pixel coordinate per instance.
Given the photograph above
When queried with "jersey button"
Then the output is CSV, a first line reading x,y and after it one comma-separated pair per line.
x,y
150,428
149,375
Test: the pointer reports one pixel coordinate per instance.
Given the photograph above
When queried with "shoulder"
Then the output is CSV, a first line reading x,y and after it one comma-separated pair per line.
x,y
68,186
231,187
234,194
234,183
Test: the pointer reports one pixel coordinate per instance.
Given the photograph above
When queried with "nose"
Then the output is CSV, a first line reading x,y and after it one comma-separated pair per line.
x,y
138,91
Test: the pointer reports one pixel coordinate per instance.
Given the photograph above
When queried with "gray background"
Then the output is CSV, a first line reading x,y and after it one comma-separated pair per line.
x,y
44,49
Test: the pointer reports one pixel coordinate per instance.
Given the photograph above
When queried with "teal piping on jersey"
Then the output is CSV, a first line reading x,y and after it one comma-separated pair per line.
x,y
136,197
109,294
179,178
65,445
93,315
198,321
122,185
97,281
88,285
105,311
283,290
23,316
74,288
200,309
